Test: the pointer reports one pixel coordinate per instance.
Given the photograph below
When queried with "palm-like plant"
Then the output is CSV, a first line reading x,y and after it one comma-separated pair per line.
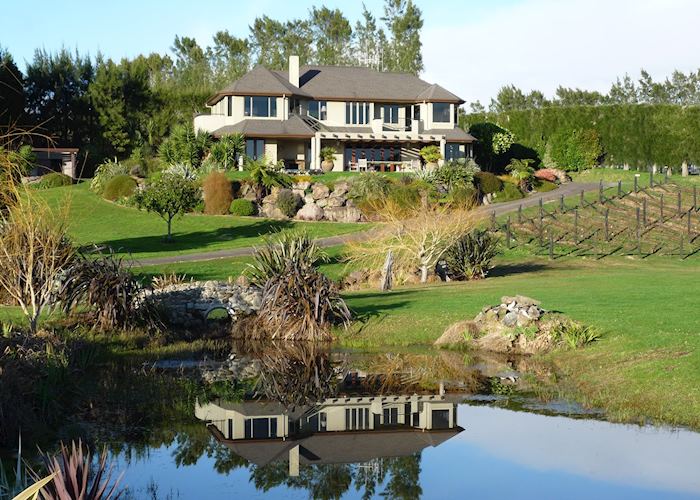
x,y
521,171
264,176
227,149
185,145
272,259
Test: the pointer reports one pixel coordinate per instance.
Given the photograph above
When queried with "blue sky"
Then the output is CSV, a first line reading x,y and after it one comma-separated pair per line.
x,y
470,47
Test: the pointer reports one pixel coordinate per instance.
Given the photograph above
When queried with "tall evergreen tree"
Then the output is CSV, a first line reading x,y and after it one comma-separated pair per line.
x,y
266,37
11,90
229,58
404,21
333,35
191,70
369,42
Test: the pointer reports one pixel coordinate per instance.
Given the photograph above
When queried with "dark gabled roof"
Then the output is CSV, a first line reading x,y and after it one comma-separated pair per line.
x,y
259,81
294,127
451,134
339,83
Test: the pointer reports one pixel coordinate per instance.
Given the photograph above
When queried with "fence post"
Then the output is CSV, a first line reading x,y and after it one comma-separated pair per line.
x,y
690,227
666,175
561,204
493,220
639,232
679,203
541,233
662,207
541,210
508,232
600,191
644,212
576,226
607,225
581,203
651,178
551,246
520,214
636,183
619,189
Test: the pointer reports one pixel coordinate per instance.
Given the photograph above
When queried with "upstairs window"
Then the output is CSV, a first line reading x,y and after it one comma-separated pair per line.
x,y
318,109
391,113
260,106
229,106
356,113
441,112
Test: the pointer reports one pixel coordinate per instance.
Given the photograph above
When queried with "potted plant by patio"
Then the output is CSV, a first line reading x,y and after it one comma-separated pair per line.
x,y
327,156
431,155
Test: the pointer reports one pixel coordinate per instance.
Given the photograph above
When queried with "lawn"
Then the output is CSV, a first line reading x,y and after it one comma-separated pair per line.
x,y
96,221
646,362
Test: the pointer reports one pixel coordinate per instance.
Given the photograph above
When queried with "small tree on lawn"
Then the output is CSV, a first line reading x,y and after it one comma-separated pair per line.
x,y
169,196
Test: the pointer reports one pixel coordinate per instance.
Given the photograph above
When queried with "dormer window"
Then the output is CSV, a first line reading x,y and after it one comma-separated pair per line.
x,y
260,106
318,110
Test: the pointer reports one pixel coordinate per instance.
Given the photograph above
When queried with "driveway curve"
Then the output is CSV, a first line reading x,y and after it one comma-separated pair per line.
x,y
568,189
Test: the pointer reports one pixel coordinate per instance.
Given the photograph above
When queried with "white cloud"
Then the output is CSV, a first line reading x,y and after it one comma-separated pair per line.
x,y
540,44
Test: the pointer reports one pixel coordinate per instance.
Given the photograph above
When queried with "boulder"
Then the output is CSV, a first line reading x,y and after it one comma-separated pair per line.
x,y
511,319
561,175
310,211
335,201
520,300
343,214
319,191
271,211
546,174
304,185
341,188
298,192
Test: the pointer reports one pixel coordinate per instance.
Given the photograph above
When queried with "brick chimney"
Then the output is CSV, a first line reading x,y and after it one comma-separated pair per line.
x,y
294,70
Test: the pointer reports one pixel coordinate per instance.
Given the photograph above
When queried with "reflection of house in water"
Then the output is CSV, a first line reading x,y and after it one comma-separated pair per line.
x,y
337,430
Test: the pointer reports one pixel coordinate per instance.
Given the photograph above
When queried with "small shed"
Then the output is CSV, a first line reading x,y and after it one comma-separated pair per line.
x,y
62,160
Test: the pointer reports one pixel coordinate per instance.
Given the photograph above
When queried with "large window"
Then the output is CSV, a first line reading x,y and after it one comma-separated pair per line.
x,y
441,112
318,109
356,113
254,148
391,113
260,428
454,151
356,419
260,106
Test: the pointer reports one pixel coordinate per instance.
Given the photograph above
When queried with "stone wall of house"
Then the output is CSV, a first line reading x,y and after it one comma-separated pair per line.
x,y
189,304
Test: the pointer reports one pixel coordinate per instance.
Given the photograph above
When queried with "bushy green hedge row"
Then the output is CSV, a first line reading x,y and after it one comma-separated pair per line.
x,y
637,134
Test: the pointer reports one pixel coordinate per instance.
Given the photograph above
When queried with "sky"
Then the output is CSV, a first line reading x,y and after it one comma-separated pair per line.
x,y
470,47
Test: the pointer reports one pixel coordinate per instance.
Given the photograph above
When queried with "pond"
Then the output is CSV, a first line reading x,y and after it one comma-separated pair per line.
x,y
304,421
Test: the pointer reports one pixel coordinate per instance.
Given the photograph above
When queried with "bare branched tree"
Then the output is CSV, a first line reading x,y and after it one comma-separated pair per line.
x,y
418,236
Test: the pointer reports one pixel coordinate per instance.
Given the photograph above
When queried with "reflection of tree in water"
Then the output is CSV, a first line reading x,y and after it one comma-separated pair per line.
x,y
333,480
296,374
191,447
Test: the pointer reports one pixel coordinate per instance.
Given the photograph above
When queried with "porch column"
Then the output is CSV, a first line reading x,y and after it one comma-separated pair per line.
x,y
443,142
314,154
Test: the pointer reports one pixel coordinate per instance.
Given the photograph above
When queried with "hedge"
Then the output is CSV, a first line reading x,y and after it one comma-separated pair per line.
x,y
52,180
242,207
120,186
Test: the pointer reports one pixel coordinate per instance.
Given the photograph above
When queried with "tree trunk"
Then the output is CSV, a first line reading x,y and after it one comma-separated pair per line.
x,y
387,272
169,237
684,169
424,273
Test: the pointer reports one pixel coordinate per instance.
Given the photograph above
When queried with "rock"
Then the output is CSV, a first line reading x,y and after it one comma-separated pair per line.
x,y
341,188
335,201
270,211
303,186
323,202
461,332
242,281
310,211
319,191
308,198
343,214
534,312
561,175
350,203
299,192
521,300
510,319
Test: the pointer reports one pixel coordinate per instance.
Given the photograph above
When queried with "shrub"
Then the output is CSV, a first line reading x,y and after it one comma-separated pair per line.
x,y
405,197
521,171
302,178
463,196
53,180
105,172
121,186
431,154
456,173
216,190
288,202
509,192
543,186
242,207
263,176
288,248
469,258
574,334
108,291
369,185
487,183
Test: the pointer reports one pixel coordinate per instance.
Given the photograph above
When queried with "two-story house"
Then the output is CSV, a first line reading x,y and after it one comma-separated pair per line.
x,y
372,118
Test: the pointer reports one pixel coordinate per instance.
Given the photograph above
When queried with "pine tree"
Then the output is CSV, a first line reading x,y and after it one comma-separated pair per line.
x,y
404,21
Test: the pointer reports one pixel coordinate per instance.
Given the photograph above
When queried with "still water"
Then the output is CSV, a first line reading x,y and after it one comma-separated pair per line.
x,y
309,423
